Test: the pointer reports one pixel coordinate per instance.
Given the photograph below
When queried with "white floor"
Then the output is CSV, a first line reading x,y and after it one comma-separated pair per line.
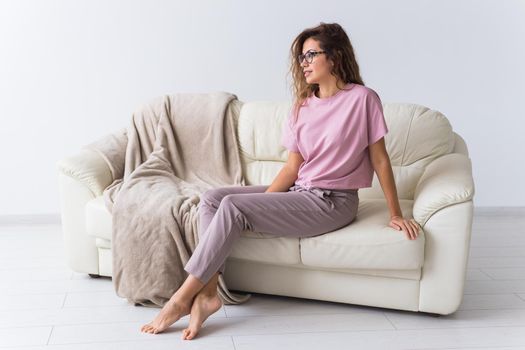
x,y
45,305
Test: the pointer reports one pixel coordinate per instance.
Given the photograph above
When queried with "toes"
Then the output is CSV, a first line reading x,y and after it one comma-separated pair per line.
x,y
187,334
149,329
191,335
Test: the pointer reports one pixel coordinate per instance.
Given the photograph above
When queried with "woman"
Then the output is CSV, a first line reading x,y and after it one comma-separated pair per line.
x,y
335,137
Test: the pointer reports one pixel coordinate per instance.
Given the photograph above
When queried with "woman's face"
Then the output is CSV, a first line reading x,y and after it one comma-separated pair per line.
x,y
320,68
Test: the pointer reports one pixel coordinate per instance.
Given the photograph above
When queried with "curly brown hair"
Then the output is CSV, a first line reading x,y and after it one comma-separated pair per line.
x,y
333,39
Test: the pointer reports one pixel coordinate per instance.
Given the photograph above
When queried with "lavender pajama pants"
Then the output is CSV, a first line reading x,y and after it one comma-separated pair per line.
x,y
225,212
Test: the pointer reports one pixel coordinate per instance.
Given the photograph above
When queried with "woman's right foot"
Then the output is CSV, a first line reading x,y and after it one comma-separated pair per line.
x,y
203,306
172,311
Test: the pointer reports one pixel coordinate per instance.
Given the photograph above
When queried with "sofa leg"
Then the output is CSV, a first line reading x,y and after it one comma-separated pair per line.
x,y
94,276
431,314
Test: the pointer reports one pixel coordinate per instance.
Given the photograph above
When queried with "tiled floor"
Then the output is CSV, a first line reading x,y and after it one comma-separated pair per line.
x,y
45,305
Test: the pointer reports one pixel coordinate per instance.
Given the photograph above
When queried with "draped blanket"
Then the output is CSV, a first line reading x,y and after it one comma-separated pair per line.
x,y
175,148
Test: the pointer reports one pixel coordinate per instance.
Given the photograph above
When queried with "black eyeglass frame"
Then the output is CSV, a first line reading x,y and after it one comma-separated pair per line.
x,y
311,54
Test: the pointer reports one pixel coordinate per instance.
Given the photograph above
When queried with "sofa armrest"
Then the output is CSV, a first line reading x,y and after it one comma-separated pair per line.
x,y
443,205
99,163
89,168
83,177
446,181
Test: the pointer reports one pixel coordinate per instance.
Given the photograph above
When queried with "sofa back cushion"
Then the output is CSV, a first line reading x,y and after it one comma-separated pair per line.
x,y
417,135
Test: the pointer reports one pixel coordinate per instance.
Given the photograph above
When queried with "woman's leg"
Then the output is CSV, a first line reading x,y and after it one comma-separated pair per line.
x,y
294,214
207,301
181,301
210,201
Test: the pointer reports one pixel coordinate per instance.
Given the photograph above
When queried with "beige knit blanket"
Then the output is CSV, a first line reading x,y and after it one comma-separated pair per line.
x,y
176,147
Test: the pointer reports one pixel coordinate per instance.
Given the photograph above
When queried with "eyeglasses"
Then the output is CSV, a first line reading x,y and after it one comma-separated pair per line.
x,y
309,55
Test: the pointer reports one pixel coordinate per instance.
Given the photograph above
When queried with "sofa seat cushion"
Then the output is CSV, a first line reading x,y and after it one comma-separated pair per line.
x,y
266,248
253,246
366,243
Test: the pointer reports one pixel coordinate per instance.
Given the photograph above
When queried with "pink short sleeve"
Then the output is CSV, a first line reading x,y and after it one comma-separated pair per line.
x,y
288,138
377,127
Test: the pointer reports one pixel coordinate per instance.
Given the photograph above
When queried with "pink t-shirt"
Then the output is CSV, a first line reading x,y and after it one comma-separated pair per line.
x,y
333,134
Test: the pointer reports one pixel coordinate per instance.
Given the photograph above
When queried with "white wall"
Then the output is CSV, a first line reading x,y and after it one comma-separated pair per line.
x,y
71,71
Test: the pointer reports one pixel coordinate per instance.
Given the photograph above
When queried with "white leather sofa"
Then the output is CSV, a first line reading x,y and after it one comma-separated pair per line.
x,y
366,262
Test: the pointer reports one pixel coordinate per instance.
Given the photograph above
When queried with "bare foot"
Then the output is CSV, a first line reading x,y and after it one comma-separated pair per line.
x,y
170,313
203,306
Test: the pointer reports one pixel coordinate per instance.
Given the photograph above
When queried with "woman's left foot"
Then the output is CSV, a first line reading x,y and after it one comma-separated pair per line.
x,y
203,306
172,311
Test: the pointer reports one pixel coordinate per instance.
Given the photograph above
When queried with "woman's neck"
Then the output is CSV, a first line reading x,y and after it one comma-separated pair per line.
x,y
325,91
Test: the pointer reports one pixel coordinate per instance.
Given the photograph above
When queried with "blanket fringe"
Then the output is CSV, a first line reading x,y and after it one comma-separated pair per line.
x,y
230,298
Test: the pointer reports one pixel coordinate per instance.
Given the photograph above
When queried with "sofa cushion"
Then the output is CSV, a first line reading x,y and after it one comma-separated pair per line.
x,y
266,248
367,243
253,246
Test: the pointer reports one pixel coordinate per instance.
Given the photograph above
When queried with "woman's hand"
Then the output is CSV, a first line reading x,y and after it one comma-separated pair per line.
x,y
410,227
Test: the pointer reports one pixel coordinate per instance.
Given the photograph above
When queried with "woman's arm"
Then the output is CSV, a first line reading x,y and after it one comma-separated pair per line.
x,y
381,164
288,174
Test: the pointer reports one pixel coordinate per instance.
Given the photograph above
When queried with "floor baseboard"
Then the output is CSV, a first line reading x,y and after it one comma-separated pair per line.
x,y
30,219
